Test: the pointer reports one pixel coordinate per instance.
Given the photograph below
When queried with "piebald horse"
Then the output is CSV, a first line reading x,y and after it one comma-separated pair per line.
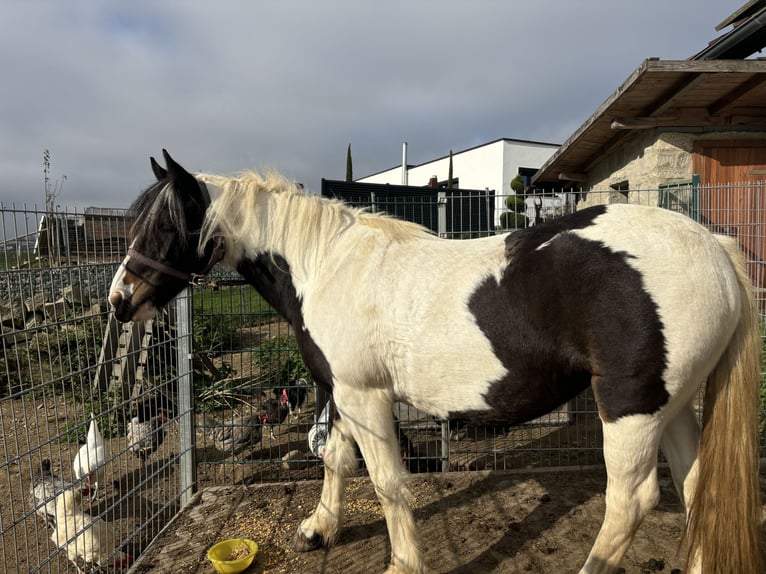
x,y
643,305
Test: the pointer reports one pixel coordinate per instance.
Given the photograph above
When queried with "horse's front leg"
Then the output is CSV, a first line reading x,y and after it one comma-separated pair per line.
x,y
369,418
322,527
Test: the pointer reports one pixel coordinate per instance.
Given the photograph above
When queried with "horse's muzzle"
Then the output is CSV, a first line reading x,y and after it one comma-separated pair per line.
x,y
122,308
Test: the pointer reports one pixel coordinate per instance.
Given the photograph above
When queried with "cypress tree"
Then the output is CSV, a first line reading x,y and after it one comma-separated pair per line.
x,y
449,172
349,166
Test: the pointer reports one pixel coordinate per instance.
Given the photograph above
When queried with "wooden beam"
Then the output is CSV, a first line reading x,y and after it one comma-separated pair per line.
x,y
705,66
668,101
645,123
736,94
578,177
633,124
751,121
684,121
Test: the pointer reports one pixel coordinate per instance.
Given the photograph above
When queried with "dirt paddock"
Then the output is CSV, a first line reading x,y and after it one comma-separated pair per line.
x,y
469,522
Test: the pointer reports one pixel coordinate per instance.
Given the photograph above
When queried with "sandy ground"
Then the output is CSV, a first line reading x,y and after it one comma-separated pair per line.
x,y
474,522
470,522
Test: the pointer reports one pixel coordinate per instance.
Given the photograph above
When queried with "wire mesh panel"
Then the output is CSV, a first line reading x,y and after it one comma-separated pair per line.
x,y
255,400
87,406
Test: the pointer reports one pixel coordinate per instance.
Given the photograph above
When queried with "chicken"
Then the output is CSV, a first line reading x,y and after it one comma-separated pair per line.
x,y
90,462
274,412
294,394
145,436
89,541
42,494
234,436
145,431
243,432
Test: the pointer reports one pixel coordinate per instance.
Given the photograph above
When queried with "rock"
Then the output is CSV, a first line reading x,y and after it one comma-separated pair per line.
x,y
35,303
12,313
294,460
57,310
74,295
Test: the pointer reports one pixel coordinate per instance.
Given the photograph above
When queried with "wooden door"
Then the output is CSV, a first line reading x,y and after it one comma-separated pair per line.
x,y
723,162
733,195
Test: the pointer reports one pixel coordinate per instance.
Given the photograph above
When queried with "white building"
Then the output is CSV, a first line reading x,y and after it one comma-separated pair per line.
x,y
489,166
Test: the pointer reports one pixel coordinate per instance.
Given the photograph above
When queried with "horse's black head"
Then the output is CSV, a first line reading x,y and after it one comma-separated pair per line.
x,y
164,251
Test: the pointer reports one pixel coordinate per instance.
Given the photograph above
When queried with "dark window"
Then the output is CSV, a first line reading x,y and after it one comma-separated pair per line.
x,y
526,174
621,186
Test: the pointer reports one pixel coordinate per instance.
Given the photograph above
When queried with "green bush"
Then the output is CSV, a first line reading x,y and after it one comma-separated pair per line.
x,y
280,358
510,220
212,333
515,203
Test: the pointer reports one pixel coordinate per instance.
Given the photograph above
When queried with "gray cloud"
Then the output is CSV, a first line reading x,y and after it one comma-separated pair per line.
x,y
232,85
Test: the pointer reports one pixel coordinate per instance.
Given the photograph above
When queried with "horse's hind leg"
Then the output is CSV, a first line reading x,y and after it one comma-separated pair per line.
x,y
630,453
679,444
322,527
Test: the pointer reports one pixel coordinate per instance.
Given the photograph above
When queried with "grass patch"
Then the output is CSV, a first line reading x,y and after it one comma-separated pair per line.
x,y
241,301
218,315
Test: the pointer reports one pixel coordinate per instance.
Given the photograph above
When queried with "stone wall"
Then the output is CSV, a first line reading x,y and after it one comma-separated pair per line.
x,y
35,296
649,159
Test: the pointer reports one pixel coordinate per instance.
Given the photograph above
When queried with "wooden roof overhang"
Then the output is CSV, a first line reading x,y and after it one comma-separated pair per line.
x,y
686,94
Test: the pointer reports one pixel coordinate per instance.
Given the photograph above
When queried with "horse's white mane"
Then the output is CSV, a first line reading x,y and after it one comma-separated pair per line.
x,y
269,210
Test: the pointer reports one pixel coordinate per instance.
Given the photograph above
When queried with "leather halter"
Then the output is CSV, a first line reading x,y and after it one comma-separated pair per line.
x,y
219,249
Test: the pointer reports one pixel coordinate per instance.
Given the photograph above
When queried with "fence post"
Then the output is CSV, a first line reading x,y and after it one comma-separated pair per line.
x,y
441,213
445,445
187,442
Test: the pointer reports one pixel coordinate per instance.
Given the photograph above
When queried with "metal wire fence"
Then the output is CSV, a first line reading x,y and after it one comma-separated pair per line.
x,y
208,375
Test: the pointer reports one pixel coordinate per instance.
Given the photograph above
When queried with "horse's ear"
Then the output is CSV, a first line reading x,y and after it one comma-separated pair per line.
x,y
184,181
159,172
174,168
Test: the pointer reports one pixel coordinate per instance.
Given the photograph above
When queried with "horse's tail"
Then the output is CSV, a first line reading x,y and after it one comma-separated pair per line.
x,y
723,527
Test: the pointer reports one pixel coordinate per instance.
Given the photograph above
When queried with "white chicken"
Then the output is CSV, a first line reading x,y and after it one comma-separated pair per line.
x,y
90,462
89,541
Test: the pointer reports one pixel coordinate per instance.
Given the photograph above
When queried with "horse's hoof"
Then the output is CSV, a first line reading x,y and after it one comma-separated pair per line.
x,y
302,543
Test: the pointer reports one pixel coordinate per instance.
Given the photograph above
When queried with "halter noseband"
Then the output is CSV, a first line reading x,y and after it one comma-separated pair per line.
x,y
219,249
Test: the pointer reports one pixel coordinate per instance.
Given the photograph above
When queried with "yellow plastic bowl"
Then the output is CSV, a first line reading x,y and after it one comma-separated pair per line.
x,y
221,551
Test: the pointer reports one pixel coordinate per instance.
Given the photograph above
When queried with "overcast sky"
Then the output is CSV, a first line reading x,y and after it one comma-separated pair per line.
x,y
233,85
